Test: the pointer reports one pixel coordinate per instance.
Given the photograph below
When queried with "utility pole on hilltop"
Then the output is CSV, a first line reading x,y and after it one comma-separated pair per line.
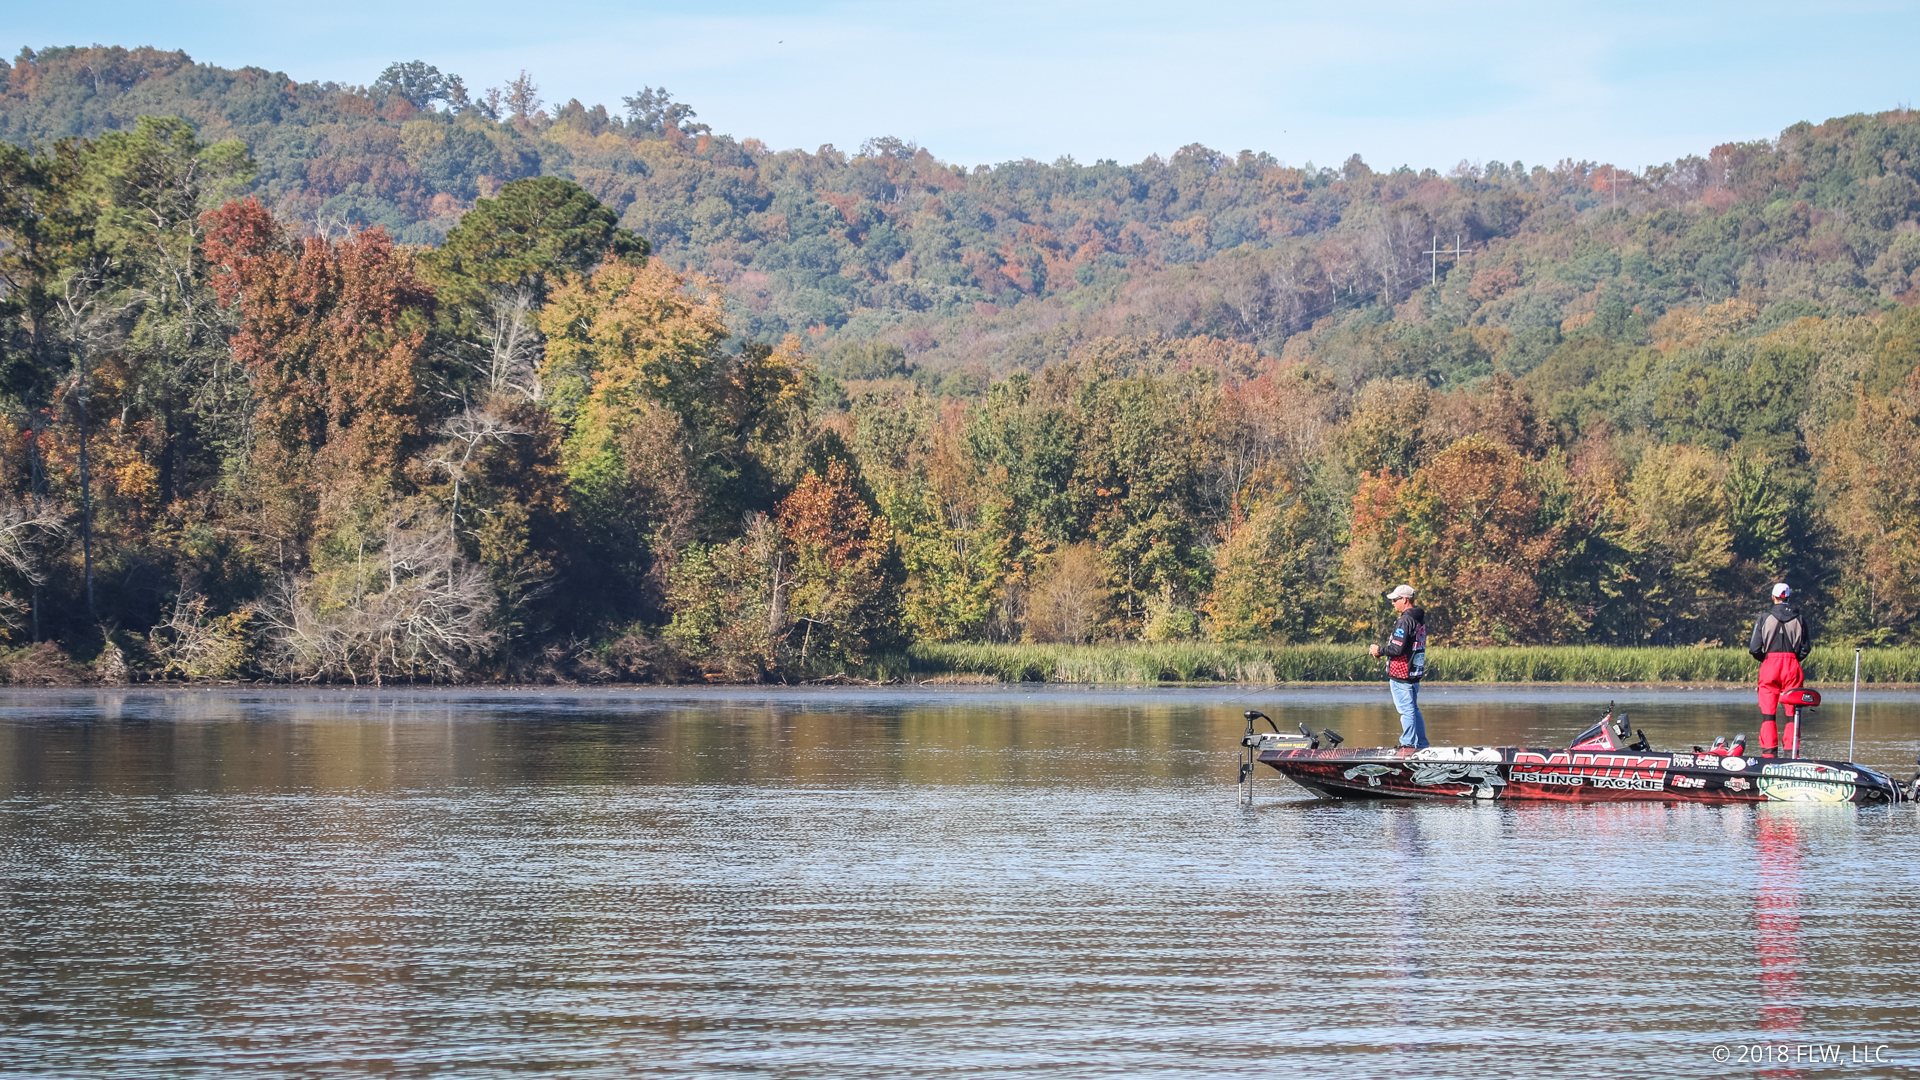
x,y
1613,181
1433,257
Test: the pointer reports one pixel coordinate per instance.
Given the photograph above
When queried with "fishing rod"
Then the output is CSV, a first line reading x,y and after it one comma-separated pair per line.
x,y
1853,718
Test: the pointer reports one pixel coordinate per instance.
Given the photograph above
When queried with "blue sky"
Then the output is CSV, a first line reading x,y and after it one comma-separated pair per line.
x,y
1630,83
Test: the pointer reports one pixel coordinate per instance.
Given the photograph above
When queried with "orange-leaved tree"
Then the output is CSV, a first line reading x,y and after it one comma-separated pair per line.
x,y
844,584
815,584
333,339
1467,531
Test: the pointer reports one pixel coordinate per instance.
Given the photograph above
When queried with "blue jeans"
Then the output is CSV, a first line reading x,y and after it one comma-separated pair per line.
x,y
1413,726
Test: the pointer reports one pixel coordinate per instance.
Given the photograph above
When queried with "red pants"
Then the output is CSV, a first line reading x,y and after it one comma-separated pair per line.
x,y
1779,673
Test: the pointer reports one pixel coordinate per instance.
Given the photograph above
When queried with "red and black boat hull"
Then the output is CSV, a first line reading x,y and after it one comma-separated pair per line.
x,y
1578,775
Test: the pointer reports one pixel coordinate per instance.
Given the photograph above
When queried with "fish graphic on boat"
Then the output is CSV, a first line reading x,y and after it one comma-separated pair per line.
x,y
1481,778
1373,773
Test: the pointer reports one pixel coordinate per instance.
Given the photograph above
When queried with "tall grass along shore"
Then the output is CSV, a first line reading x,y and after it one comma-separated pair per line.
x,y
1261,664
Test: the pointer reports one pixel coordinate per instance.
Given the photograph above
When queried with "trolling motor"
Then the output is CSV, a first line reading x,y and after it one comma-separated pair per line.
x,y
1267,740
1253,742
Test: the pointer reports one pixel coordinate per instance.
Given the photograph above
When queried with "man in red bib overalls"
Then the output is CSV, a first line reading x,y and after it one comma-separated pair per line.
x,y
1780,641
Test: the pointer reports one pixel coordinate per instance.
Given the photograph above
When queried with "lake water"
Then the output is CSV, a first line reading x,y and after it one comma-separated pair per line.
x,y
983,883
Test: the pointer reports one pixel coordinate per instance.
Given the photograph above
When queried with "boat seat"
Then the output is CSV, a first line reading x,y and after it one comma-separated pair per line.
x,y
1801,698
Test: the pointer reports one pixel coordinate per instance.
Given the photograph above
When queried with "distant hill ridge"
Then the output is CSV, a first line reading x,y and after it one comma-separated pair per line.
x,y
974,272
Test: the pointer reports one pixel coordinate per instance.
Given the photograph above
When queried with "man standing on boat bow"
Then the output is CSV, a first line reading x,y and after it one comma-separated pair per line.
x,y
1780,641
1406,653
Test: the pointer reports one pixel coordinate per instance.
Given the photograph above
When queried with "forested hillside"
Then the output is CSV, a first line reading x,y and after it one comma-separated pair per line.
x,y
421,380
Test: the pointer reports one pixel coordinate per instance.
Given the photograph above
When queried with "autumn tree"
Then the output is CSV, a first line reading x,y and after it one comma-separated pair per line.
x,y
117,346
1274,425
963,571
842,597
1265,585
1138,477
1683,543
1068,600
660,412
1387,432
45,234
333,339
815,584
1467,531
1871,481
151,187
724,601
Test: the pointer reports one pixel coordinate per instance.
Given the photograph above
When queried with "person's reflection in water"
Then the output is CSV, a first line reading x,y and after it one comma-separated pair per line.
x,y
1407,934
1777,921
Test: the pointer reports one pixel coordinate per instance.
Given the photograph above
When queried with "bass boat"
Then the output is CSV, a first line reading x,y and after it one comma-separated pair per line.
x,y
1605,763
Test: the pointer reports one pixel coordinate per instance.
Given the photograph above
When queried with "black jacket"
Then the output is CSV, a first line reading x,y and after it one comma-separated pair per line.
x,y
1780,629
1406,647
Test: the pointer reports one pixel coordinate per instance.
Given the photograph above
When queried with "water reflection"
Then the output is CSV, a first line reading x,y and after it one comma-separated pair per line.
x,y
897,884
1406,953
1777,926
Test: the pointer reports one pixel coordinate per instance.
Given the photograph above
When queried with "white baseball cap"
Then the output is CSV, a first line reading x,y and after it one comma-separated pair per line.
x,y
1401,592
1782,591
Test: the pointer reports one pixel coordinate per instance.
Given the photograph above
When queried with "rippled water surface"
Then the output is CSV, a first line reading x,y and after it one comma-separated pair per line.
x,y
927,883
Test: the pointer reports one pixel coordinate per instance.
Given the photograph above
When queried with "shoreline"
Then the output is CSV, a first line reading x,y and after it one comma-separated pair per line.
x,y
1829,669
935,683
